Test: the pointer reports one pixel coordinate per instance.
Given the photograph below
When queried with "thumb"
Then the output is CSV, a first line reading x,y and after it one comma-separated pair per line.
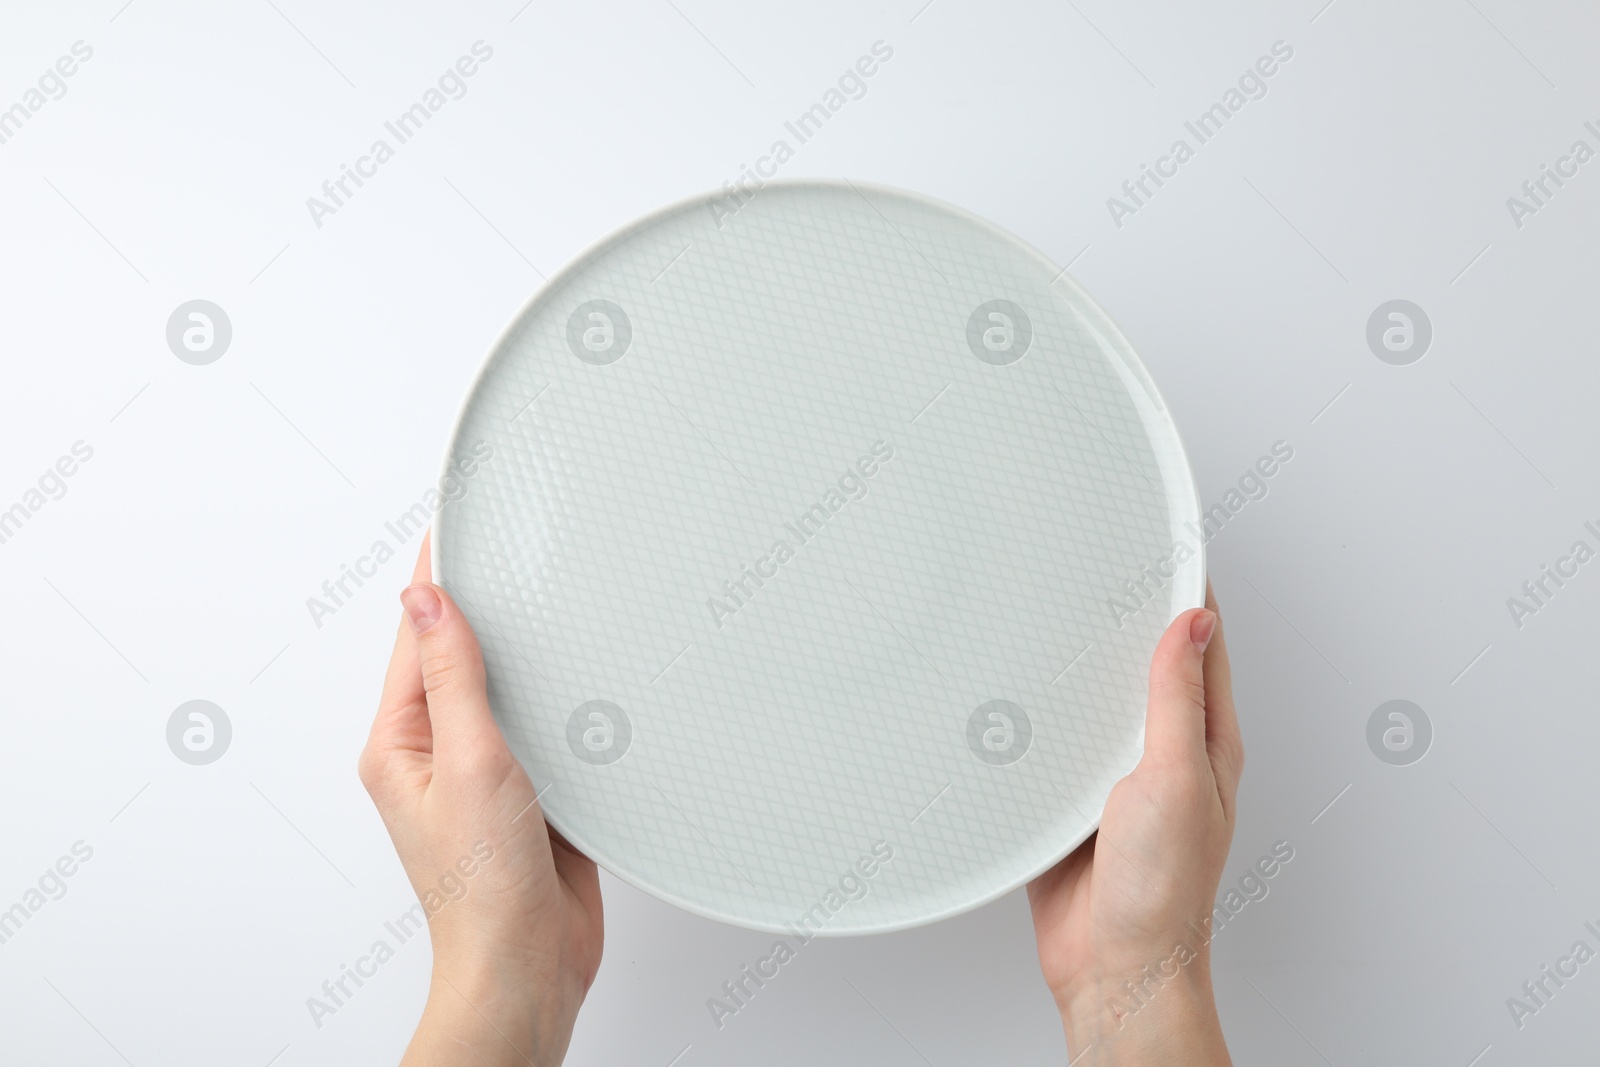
x,y
464,730
1175,723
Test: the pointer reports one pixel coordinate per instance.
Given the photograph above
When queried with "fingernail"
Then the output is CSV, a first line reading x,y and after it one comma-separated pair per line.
x,y
422,606
1201,627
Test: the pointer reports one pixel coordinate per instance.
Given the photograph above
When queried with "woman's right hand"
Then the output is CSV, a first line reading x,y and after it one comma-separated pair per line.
x,y
1123,923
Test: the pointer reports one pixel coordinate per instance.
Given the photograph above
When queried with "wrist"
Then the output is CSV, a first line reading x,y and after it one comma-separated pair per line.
x,y
479,1015
1161,1013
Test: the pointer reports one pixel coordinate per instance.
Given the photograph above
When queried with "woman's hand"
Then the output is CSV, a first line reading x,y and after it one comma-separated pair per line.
x,y
513,911
1123,923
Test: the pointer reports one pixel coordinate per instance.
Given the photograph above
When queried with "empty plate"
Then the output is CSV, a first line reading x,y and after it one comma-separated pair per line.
x,y
817,538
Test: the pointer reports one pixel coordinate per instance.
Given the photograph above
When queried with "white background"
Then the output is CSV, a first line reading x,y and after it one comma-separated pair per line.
x,y
220,497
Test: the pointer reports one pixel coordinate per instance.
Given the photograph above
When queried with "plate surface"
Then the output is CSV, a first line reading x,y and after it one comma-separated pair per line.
x,y
817,542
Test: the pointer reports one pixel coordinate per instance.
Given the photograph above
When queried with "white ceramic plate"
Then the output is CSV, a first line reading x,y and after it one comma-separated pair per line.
x,y
817,543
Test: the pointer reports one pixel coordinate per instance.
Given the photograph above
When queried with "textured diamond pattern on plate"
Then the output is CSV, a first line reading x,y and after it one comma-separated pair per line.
x,y
774,744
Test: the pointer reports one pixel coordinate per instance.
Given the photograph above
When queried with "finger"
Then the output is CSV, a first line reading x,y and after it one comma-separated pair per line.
x,y
1224,742
576,870
453,681
402,719
1175,722
404,677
